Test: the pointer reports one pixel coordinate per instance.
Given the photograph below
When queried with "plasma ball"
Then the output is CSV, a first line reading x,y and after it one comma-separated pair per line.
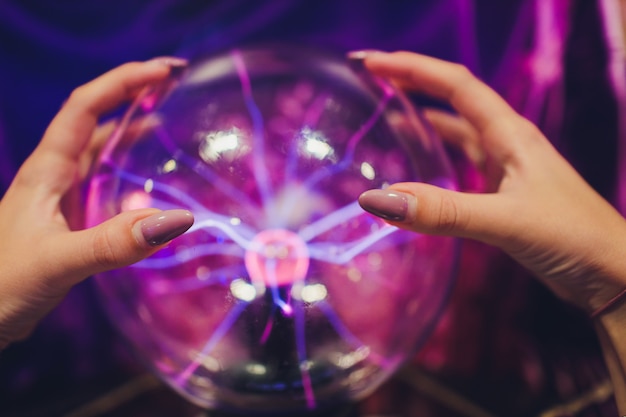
x,y
285,296
277,257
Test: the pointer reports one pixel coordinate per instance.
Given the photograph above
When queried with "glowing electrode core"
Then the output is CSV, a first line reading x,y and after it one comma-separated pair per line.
x,y
277,257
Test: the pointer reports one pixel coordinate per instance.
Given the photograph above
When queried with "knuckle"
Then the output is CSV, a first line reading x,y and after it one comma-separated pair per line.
x,y
461,79
131,65
447,219
103,253
78,94
35,175
462,73
125,68
530,130
78,97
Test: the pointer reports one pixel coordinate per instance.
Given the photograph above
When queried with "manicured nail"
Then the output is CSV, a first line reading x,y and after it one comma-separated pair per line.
x,y
169,61
386,204
162,227
362,54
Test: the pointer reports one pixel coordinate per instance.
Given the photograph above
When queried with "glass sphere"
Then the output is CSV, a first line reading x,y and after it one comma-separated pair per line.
x,y
285,296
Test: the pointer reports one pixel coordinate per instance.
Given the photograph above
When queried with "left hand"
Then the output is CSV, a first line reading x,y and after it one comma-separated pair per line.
x,y
42,255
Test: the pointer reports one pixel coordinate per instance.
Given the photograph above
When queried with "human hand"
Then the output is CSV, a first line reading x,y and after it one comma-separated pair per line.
x,y
41,256
538,209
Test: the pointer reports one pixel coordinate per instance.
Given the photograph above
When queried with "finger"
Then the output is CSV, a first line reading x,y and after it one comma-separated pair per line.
x,y
131,132
503,130
457,132
118,242
72,203
72,127
428,209
54,164
94,146
444,80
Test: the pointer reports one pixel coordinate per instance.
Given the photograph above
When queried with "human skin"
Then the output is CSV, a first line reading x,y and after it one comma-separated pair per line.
x,y
537,208
43,252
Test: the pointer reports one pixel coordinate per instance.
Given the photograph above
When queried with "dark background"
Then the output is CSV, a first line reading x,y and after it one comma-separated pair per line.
x,y
505,346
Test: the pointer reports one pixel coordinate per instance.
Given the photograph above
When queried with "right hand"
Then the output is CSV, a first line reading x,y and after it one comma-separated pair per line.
x,y
539,210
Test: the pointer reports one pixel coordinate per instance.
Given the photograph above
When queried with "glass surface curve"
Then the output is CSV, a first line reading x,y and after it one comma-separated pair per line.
x,y
285,295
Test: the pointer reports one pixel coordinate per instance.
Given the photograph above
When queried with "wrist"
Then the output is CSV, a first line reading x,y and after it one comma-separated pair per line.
x,y
609,305
610,330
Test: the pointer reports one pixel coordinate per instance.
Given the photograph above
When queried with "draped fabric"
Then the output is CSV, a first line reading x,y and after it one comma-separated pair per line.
x,y
504,341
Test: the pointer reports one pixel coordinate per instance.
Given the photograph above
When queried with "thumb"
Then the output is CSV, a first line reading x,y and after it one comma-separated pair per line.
x,y
120,241
429,209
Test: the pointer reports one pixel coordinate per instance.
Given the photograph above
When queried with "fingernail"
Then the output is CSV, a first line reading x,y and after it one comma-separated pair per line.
x,y
362,54
386,204
169,61
162,227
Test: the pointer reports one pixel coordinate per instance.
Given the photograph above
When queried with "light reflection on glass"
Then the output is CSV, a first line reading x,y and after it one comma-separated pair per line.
x,y
367,170
216,145
315,145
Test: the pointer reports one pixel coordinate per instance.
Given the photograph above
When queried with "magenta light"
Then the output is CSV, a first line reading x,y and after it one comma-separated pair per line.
x,y
277,257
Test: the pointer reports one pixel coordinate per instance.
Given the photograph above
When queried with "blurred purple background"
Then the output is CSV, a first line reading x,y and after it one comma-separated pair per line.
x,y
505,343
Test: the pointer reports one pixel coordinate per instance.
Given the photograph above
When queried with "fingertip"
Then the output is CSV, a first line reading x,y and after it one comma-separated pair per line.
x,y
160,228
73,126
173,64
118,242
387,204
422,208
168,61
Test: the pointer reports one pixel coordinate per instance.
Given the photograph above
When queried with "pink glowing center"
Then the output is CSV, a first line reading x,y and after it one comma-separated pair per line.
x,y
277,257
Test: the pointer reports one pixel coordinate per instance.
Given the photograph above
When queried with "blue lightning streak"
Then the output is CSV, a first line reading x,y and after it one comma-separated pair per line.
x,y
217,335
189,254
325,172
191,283
164,188
349,337
270,268
305,375
330,221
259,168
227,229
339,254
